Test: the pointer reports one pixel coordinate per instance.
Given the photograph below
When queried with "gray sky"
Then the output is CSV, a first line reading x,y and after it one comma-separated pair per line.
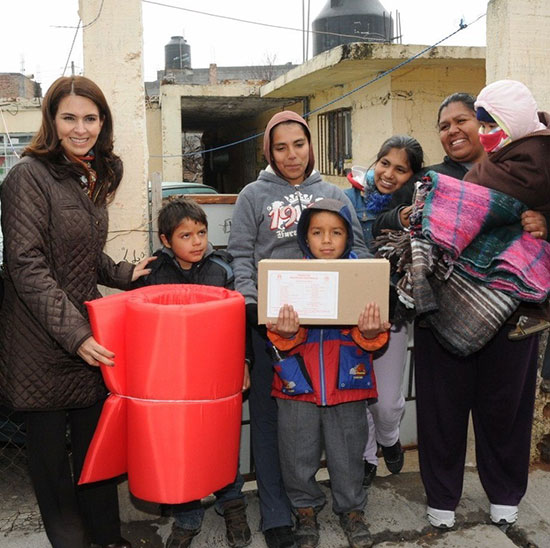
x,y
30,38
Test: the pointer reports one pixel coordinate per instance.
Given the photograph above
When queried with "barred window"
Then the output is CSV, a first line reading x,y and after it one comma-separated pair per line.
x,y
334,140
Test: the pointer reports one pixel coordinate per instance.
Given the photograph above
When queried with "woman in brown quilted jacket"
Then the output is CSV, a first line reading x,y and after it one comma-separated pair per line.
x,y
54,221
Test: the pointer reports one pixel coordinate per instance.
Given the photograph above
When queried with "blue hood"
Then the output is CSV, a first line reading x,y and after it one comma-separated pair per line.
x,y
334,206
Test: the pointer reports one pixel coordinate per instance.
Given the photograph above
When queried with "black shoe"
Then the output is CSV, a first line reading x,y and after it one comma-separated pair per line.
x,y
393,457
181,538
306,532
236,526
370,473
280,537
357,532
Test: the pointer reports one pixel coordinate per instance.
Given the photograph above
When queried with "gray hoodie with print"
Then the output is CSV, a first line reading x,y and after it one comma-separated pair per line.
x,y
265,220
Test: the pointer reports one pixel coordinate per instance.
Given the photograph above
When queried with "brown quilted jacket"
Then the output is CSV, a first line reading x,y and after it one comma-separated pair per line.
x,y
53,260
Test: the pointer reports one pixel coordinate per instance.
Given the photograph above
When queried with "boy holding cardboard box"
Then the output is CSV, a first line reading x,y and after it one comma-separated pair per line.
x,y
321,387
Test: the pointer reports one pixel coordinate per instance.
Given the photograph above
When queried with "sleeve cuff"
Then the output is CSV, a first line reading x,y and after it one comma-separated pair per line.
x,y
370,344
287,344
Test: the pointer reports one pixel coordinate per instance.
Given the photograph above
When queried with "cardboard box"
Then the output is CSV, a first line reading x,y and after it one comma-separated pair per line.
x,y
323,291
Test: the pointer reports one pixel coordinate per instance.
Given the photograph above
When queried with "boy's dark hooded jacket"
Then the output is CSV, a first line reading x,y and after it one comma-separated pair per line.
x,y
212,269
326,366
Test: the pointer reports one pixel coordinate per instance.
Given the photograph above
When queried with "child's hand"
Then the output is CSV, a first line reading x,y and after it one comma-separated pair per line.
x,y
534,222
404,215
369,323
287,324
246,377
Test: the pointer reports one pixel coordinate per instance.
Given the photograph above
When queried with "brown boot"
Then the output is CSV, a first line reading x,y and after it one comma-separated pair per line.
x,y
181,538
307,528
357,532
236,526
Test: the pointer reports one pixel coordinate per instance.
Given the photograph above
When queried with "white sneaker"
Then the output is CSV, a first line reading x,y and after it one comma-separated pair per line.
x,y
501,514
442,519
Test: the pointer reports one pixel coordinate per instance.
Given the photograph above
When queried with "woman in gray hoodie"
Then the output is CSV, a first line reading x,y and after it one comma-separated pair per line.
x,y
264,226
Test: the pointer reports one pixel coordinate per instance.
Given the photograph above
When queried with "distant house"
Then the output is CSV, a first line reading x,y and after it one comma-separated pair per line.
x,y
346,132
16,85
19,116
190,110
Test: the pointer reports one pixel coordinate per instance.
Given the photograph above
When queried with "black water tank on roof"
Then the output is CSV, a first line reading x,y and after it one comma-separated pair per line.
x,y
367,20
177,54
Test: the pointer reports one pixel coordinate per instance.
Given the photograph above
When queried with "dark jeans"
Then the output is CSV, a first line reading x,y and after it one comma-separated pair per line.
x,y
189,515
73,515
497,384
274,504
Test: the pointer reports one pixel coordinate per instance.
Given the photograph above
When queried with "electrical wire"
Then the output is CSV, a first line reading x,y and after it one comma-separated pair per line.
x,y
80,21
72,46
96,17
461,27
356,37
8,133
76,33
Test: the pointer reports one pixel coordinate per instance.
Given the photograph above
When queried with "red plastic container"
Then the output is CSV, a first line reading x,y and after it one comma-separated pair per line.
x,y
172,420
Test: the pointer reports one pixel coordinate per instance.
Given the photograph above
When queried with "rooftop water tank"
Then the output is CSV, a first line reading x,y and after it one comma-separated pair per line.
x,y
361,20
177,54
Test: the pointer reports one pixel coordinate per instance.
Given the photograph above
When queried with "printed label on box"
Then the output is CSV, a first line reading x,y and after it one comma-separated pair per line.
x,y
313,294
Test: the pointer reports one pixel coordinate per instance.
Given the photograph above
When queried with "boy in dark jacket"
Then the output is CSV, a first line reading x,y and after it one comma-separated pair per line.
x,y
188,258
321,389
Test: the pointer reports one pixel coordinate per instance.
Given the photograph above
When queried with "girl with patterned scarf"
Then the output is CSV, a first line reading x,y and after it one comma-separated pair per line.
x,y
398,159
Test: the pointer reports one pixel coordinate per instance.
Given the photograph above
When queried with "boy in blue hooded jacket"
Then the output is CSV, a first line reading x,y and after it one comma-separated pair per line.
x,y
321,387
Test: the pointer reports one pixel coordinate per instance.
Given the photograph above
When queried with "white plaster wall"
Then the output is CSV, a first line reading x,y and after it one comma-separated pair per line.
x,y
19,118
154,138
170,104
416,95
405,103
518,44
113,58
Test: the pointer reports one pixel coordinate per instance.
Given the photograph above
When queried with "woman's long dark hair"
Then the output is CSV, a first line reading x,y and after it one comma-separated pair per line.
x,y
412,148
46,145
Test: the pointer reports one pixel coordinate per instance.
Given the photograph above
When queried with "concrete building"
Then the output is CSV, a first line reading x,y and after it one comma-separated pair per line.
x,y
228,108
19,116
216,75
16,85
19,119
348,131
517,48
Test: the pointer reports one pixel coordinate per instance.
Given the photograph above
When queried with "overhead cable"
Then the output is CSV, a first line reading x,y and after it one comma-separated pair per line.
x,y
356,37
461,27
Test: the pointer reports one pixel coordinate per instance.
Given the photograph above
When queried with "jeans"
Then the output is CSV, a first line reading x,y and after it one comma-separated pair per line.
x,y
189,515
